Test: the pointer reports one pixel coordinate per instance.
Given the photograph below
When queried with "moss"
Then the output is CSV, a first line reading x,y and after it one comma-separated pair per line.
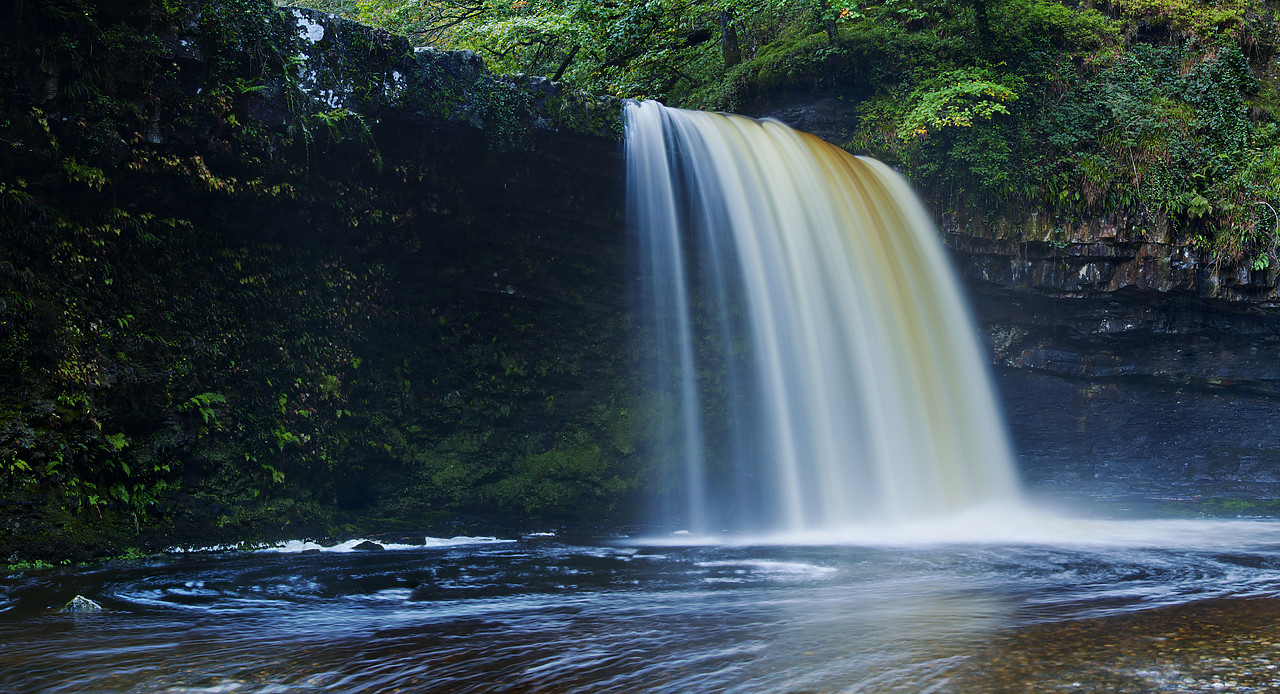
x,y
214,335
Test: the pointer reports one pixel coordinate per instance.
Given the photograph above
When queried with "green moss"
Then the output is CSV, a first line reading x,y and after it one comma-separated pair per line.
x,y
170,375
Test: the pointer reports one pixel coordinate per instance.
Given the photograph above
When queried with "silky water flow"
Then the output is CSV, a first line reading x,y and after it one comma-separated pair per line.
x,y
806,341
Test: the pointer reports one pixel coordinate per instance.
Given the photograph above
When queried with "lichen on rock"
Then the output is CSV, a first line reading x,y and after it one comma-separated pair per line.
x,y
80,604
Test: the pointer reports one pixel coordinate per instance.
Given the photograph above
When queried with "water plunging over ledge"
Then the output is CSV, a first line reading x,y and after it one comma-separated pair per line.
x,y
811,352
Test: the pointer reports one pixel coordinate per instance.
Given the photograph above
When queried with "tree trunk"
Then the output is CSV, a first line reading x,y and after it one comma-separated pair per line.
x,y
564,65
729,41
828,21
981,23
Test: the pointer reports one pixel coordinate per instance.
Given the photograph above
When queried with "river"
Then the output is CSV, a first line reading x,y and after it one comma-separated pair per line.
x,y
1189,608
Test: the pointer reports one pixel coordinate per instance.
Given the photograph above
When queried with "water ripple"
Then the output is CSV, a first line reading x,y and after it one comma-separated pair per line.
x,y
541,614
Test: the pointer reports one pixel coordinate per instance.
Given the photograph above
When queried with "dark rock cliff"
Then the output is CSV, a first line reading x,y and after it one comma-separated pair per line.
x,y
1130,362
1139,382
269,274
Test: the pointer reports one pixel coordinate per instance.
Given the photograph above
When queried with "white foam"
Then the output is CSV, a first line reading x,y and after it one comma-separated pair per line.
x,y
462,540
210,548
1018,526
293,546
773,569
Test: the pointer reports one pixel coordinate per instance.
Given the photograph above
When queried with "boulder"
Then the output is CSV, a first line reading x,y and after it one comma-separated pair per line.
x,y
81,604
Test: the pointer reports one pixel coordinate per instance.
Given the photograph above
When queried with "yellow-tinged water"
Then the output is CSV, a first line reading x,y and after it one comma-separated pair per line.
x,y
855,391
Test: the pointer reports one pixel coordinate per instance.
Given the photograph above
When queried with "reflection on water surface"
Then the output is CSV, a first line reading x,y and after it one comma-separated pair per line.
x,y
543,614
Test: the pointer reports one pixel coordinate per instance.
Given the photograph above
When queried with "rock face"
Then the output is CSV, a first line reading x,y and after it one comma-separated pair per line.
x,y
1102,256
1136,336
1141,437
291,274
1127,365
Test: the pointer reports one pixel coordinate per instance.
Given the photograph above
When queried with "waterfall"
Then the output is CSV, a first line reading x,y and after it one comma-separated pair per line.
x,y
809,356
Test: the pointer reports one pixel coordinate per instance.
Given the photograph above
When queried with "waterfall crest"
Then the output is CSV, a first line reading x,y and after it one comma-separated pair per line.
x,y
808,346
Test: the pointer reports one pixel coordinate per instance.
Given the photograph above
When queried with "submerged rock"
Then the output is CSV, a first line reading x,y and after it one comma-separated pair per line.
x,y
81,604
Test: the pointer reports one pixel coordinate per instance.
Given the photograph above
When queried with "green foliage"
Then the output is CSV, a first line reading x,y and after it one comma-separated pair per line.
x,y
1077,29
1165,130
204,404
1219,22
955,99
82,173
33,565
349,9
1155,110
132,554
576,479
627,48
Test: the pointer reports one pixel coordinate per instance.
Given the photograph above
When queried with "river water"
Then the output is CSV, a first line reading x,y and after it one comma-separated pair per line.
x,y
1172,606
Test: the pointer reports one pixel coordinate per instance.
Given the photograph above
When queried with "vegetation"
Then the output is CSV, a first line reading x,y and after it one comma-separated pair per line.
x,y
211,325
632,48
1161,110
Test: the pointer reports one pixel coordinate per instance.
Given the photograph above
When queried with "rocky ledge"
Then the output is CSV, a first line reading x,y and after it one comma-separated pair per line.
x,y
348,66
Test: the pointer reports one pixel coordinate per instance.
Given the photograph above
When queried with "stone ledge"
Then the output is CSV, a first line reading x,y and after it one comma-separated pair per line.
x,y
346,65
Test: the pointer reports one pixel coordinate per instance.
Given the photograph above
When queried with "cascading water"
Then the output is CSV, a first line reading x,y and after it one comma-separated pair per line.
x,y
810,353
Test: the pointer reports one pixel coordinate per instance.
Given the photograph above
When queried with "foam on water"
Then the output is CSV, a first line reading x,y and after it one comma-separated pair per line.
x,y
1000,525
782,570
350,545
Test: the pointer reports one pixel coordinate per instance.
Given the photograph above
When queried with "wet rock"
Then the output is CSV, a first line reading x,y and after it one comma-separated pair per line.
x,y
1168,339
81,604
826,115
1097,257
345,65
368,546
1140,436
